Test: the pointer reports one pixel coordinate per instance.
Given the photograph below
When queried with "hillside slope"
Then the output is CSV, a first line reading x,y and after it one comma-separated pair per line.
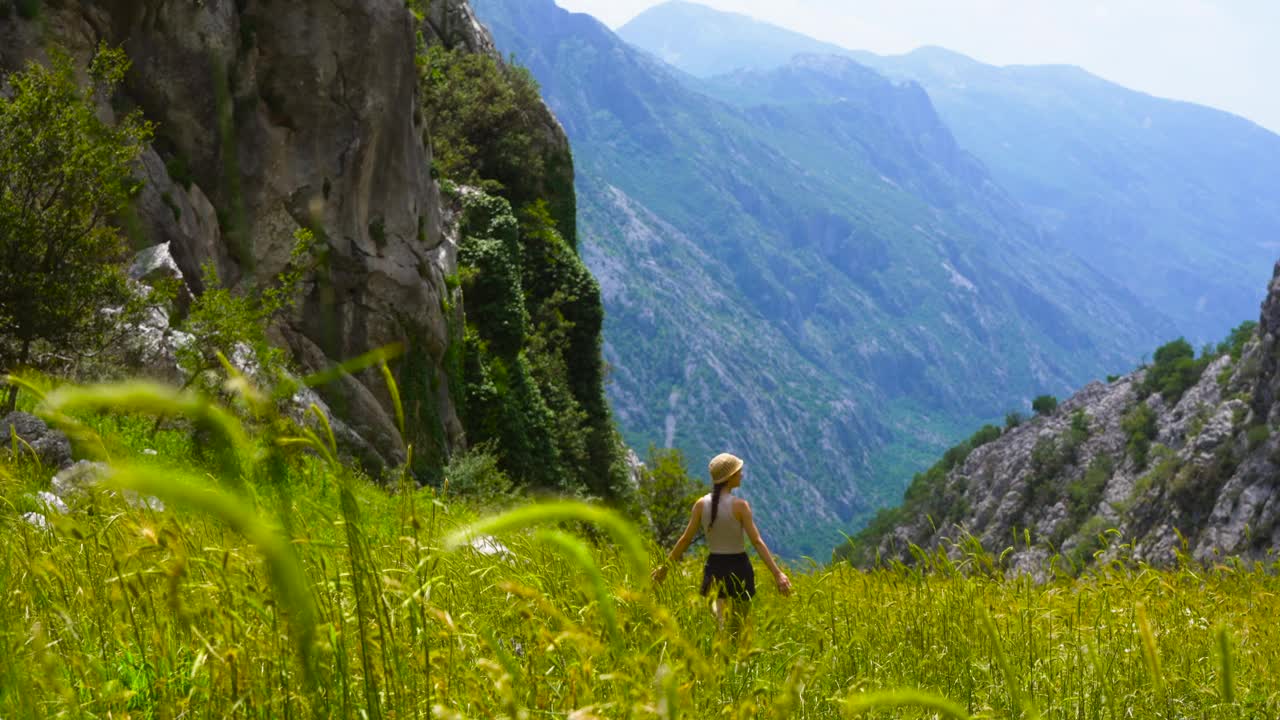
x,y
830,288
1178,458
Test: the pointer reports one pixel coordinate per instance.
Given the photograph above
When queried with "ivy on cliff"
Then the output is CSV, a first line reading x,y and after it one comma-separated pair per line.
x,y
532,374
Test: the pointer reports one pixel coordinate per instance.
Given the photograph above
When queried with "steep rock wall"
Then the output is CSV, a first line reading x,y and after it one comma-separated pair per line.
x,y
272,117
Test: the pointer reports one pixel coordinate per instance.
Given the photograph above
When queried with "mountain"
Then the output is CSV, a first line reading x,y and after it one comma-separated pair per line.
x,y
724,42
1174,201
824,282
1177,459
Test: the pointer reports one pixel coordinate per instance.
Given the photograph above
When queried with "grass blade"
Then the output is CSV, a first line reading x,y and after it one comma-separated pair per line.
x,y
286,572
578,554
891,699
623,533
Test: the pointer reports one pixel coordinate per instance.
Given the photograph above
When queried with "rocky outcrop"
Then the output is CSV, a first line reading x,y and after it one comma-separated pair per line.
x,y
271,118
1077,486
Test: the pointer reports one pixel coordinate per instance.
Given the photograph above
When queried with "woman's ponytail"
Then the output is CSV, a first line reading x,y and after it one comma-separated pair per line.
x,y
715,502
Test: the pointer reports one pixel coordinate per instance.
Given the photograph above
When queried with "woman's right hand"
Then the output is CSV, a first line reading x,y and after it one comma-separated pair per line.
x,y
784,583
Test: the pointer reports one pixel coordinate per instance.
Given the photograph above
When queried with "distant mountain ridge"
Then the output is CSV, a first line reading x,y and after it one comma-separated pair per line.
x,y
826,284
1172,200
723,36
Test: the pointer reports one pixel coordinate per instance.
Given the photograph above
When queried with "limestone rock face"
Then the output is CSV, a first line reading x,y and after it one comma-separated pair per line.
x,y
275,117
1209,489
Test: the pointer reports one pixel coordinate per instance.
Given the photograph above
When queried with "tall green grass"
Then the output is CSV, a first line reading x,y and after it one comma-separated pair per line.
x,y
309,591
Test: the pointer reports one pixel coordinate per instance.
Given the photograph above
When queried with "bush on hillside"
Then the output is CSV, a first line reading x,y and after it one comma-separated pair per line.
x,y
1174,370
228,323
1139,426
481,114
1044,405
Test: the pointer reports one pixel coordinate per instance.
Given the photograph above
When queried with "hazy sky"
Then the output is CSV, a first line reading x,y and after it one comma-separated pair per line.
x,y
1222,53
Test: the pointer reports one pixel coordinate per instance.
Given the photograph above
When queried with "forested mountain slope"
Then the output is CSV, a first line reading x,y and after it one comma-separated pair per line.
x,y
827,285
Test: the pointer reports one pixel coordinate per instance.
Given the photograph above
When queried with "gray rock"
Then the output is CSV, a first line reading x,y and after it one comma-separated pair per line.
x,y
52,502
489,546
51,446
156,263
73,484
35,519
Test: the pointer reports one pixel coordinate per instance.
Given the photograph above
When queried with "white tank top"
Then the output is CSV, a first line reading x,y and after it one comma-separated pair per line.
x,y
726,536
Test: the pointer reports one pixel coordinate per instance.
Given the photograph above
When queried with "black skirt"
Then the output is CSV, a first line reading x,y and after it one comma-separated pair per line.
x,y
732,574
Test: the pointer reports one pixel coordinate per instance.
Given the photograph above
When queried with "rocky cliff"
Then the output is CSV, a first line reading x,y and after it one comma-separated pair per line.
x,y
1121,468
275,117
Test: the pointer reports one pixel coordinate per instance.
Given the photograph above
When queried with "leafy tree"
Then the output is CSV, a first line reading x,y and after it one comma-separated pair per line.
x,y
1139,426
667,492
64,174
1044,405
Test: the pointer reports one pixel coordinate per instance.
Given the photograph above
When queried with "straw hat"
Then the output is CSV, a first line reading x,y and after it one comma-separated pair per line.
x,y
723,466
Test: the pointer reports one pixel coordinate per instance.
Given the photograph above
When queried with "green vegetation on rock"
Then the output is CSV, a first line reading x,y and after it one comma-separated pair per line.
x,y
532,385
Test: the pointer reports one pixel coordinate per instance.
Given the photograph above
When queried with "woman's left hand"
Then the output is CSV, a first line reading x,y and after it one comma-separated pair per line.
x,y
784,583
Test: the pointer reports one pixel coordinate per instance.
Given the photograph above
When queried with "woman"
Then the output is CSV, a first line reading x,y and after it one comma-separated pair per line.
x,y
725,519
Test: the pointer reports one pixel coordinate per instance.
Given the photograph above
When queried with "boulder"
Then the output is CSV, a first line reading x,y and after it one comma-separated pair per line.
x,y
50,445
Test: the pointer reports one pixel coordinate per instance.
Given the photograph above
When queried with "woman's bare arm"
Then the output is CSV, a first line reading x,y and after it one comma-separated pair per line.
x,y
743,510
686,539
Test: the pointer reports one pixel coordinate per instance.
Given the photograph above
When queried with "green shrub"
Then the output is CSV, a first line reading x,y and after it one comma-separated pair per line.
x,y
1239,337
480,113
1257,435
1079,431
1014,419
986,434
1194,489
1044,405
1049,458
475,475
221,320
28,9
1092,538
1175,370
1139,426
1084,494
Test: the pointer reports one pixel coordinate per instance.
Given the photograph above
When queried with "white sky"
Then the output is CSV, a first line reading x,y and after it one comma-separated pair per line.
x,y
1221,53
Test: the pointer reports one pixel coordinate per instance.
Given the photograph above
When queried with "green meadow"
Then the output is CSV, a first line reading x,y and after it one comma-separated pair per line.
x,y
279,583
